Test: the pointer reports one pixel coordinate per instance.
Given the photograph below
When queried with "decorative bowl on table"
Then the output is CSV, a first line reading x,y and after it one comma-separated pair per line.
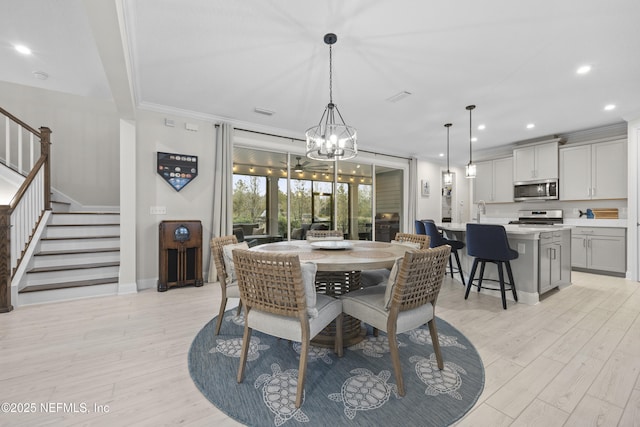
x,y
331,244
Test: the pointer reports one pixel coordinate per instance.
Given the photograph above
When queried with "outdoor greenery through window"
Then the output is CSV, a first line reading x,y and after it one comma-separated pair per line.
x,y
283,197
250,200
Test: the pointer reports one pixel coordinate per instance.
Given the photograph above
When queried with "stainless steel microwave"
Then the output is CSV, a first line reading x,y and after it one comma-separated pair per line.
x,y
546,189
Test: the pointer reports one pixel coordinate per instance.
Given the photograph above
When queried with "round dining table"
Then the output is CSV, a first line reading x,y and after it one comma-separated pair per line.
x,y
339,265
340,255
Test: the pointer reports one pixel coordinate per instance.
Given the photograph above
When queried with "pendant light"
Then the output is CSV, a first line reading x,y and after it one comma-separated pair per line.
x,y
331,140
470,171
448,177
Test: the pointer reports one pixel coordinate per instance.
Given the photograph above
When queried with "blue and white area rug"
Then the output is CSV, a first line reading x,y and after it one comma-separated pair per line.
x,y
357,389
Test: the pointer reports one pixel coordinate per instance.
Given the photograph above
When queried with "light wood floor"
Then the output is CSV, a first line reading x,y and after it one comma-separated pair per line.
x,y
572,360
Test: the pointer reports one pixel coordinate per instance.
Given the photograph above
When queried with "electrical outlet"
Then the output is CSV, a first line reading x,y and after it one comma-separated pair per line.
x,y
157,210
521,248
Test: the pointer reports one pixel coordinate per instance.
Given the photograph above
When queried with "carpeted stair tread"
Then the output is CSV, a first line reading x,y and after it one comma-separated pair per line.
x,y
77,251
75,267
80,237
86,213
109,224
65,285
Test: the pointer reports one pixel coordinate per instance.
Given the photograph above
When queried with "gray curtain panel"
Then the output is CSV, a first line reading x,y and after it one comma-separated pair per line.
x,y
222,219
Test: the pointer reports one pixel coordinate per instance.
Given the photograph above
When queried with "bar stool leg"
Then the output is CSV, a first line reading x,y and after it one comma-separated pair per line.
x,y
472,275
450,266
459,266
513,284
502,290
482,264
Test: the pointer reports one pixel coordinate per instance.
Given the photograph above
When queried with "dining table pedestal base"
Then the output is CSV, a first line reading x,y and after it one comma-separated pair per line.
x,y
334,284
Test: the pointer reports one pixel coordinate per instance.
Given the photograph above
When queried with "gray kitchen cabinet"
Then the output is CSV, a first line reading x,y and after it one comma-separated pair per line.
x,y
494,181
551,261
535,162
594,171
600,249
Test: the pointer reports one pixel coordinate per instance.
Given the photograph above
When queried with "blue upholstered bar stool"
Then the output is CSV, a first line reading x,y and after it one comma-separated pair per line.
x,y
420,227
488,243
437,239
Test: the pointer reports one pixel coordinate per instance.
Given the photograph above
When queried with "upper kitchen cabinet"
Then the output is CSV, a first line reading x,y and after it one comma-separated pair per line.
x,y
494,181
536,162
594,171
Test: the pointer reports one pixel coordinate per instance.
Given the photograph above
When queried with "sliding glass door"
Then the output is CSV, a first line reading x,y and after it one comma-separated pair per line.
x,y
285,195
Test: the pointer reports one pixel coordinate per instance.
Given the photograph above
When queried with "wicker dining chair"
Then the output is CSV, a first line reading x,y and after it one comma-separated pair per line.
x,y
324,235
421,239
229,288
375,277
405,303
279,302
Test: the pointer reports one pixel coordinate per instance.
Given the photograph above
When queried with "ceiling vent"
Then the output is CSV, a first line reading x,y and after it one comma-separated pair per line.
x,y
264,111
398,96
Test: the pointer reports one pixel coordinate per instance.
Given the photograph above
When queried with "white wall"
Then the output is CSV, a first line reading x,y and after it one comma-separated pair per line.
x,y
193,202
431,207
84,140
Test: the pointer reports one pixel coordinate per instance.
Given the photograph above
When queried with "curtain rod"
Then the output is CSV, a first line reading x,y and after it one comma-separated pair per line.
x,y
302,140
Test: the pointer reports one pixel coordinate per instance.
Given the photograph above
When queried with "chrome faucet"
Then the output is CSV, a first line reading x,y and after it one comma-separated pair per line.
x,y
482,209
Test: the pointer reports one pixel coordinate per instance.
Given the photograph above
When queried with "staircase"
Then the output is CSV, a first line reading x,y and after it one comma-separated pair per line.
x,y
78,256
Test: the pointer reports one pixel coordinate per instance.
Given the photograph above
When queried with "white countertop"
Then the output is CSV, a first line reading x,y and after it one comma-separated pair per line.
x,y
509,228
575,222
582,222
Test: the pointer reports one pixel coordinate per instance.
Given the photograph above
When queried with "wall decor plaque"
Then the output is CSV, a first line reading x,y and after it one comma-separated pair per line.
x,y
177,169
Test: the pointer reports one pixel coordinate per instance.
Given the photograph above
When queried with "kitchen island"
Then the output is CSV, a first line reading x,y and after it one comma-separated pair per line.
x,y
544,258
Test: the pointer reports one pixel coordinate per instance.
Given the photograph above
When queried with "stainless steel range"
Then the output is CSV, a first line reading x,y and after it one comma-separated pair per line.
x,y
539,216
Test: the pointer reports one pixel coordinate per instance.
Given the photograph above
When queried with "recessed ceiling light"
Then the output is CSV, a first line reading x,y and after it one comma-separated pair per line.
x,y
481,127
441,154
530,126
584,69
474,139
40,75
23,49
609,107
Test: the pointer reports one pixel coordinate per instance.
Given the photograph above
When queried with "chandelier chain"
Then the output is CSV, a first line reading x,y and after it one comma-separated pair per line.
x,y
330,75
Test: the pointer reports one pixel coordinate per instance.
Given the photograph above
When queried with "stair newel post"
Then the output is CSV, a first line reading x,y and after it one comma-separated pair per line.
x,y
45,149
5,259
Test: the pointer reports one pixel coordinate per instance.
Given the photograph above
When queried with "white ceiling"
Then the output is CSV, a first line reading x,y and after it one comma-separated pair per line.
x,y
515,60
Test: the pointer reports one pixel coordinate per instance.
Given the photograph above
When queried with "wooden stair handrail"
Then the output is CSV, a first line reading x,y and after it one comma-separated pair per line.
x,y
6,273
20,122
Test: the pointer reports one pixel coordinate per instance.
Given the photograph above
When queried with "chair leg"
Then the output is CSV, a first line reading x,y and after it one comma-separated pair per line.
x,y
239,308
513,284
471,276
302,371
338,344
223,305
436,343
375,332
450,266
482,265
246,339
459,266
395,360
501,277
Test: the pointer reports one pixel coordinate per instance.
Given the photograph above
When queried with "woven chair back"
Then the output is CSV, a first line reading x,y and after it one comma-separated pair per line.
x,y
217,244
324,234
422,239
420,278
270,282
